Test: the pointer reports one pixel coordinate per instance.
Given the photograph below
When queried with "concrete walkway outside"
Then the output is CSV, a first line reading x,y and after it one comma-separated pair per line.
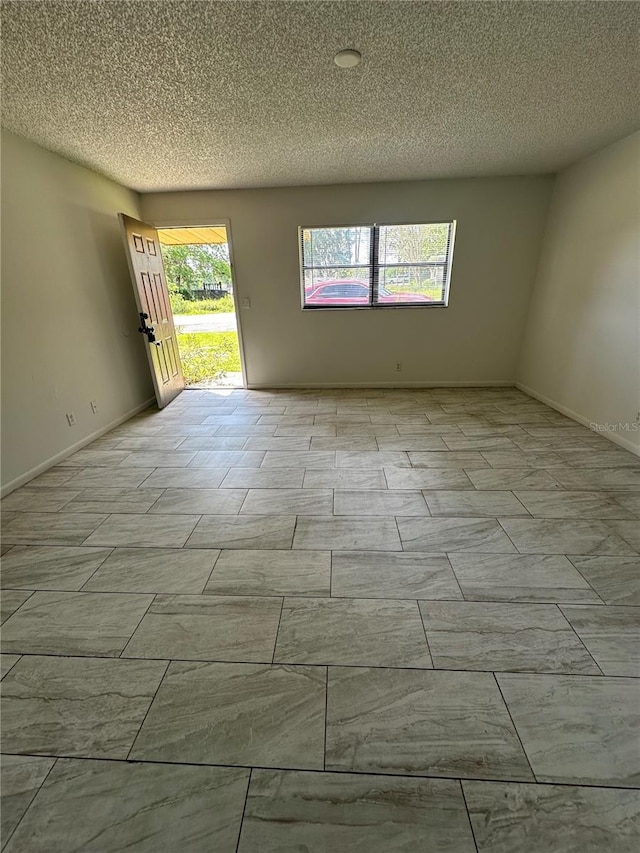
x,y
205,322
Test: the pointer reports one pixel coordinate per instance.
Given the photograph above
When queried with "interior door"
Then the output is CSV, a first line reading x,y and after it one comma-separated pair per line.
x,y
152,299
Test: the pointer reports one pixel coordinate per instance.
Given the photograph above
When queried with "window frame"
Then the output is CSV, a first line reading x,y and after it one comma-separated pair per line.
x,y
374,266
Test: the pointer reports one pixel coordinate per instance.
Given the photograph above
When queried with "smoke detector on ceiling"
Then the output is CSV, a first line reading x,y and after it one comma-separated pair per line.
x,y
347,58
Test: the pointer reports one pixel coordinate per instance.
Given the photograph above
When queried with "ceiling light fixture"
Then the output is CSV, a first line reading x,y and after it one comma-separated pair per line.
x,y
347,58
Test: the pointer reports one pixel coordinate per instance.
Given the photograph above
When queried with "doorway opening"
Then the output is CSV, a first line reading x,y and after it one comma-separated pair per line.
x,y
198,271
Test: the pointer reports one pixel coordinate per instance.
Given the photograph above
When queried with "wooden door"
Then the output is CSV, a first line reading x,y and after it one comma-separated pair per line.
x,y
152,299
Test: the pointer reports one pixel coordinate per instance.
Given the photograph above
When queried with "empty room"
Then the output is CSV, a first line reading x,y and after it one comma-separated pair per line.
x,y
320,426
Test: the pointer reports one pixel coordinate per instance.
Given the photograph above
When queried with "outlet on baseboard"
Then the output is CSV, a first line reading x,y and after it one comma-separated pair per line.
x,y
94,406
71,419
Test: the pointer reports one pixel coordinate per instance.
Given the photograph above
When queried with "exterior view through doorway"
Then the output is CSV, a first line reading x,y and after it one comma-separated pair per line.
x,y
198,271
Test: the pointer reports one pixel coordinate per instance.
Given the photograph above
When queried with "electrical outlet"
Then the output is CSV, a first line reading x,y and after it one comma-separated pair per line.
x,y
94,406
398,366
245,302
71,419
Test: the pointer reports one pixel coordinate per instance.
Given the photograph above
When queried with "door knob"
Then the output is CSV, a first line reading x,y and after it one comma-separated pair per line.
x,y
146,330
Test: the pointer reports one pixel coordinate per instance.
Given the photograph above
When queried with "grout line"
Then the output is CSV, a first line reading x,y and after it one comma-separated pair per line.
x,y
244,809
81,588
580,640
146,714
424,630
524,751
5,841
326,715
514,782
466,805
148,607
81,657
275,640
215,563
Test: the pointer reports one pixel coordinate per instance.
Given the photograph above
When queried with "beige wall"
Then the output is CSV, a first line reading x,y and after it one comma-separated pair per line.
x,y
475,340
68,314
582,346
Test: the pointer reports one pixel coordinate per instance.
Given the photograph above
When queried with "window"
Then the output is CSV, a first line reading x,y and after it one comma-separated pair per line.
x,y
377,266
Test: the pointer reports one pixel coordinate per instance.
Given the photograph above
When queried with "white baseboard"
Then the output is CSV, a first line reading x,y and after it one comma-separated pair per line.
x,y
53,460
493,383
581,419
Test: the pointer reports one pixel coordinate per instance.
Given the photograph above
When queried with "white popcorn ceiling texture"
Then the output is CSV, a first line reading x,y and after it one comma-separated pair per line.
x,y
172,95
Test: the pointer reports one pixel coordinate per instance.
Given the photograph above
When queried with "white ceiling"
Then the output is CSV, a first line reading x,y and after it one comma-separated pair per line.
x,y
172,95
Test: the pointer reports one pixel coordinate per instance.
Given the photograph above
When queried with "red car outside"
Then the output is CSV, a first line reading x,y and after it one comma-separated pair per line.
x,y
350,291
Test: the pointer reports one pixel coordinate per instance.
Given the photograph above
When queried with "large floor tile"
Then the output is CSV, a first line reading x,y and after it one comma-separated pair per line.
x,y
509,817
154,570
462,503
227,459
479,635
299,459
420,722
355,533
91,707
202,501
372,459
207,627
351,632
522,459
400,574
588,458
411,442
237,714
288,502
186,478
263,478
220,442
21,777
50,566
619,478
561,504
344,478
51,528
564,536
513,478
577,729
615,579
345,442
288,812
448,459
612,635
520,577
383,502
483,535
144,531
111,806
74,623
247,531
89,458
38,500
10,601
427,478
245,572
114,500
157,459
110,478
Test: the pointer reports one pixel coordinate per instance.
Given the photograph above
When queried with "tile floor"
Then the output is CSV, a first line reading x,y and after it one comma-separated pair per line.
x,y
352,620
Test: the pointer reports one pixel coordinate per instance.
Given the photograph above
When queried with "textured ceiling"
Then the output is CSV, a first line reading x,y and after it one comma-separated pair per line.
x,y
172,95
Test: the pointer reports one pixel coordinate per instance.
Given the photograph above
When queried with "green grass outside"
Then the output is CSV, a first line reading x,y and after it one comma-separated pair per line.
x,y
180,305
207,355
